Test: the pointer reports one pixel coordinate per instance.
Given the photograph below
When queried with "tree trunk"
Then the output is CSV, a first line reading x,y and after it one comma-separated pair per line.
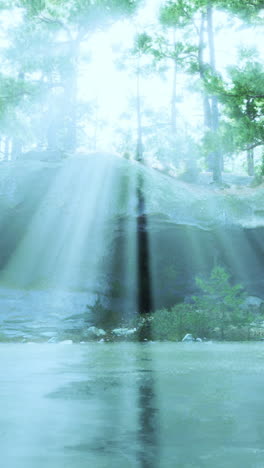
x,y
174,93
16,148
52,132
139,148
217,156
250,162
207,111
222,326
6,149
206,102
95,133
70,92
173,100
250,151
70,140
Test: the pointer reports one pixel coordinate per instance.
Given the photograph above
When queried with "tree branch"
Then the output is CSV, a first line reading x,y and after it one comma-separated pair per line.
x,y
247,96
254,145
60,23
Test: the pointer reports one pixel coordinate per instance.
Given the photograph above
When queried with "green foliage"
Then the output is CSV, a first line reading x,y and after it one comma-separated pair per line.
x,y
101,315
216,313
173,324
242,98
177,14
45,45
143,42
247,10
221,301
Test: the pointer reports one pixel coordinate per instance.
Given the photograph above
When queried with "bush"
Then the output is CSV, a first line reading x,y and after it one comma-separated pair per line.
x,y
173,324
221,302
217,313
165,325
101,316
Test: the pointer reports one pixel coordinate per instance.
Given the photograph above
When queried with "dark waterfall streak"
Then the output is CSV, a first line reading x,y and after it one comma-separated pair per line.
x,y
145,304
148,423
149,417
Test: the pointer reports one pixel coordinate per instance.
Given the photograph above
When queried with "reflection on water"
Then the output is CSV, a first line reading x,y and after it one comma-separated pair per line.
x,y
152,405
148,412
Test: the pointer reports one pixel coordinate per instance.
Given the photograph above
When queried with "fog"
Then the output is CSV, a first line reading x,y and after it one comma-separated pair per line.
x,y
131,234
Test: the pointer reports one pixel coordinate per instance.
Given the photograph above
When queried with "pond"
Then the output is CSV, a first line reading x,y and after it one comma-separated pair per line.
x,y
146,405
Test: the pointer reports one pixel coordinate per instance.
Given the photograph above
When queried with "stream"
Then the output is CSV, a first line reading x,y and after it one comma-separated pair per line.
x,y
34,315
138,405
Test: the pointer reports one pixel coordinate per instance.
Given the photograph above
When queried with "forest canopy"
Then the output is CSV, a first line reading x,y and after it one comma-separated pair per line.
x,y
179,103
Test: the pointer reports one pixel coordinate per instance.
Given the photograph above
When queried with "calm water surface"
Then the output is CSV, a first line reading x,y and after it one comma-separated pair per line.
x,y
152,405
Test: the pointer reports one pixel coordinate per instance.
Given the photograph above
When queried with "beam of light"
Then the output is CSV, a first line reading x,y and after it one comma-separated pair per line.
x,y
75,227
67,231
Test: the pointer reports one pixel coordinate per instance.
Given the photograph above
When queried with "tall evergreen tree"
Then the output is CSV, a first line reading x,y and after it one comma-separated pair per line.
x,y
59,31
243,101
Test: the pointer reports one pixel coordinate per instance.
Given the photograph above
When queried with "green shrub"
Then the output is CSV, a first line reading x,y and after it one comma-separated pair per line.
x,y
221,301
216,313
101,315
173,324
165,325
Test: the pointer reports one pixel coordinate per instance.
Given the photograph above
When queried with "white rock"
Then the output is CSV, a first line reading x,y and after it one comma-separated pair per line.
x,y
188,337
95,331
66,342
199,340
124,331
52,340
252,302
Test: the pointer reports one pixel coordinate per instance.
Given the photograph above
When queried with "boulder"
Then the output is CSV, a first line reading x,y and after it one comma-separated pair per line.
x,y
253,303
94,332
53,339
124,331
188,337
191,228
